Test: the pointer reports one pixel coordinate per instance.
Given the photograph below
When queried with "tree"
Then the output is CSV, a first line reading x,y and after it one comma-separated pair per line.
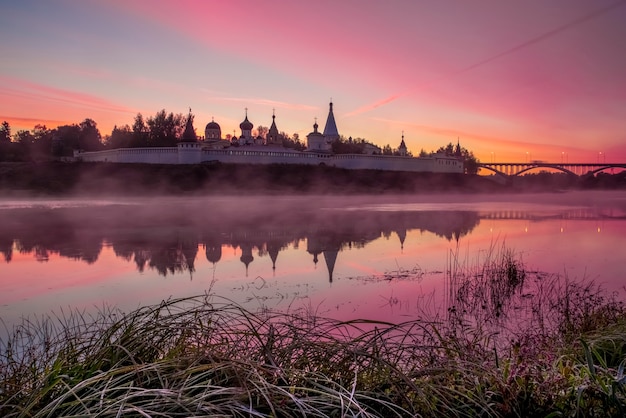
x,y
24,137
140,132
121,137
448,149
10,151
387,150
470,162
262,131
164,130
41,148
89,137
343,146
68,137
5,132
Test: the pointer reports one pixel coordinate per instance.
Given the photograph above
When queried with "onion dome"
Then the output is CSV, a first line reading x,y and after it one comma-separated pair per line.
x,y
315,131
246,125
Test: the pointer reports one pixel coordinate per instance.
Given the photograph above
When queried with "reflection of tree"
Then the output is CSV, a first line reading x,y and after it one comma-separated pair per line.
x,y
6,248
167,241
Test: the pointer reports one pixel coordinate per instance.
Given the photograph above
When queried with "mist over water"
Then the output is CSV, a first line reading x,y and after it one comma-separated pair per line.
x,y
372,257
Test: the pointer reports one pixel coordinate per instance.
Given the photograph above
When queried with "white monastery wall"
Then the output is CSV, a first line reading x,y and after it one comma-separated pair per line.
x,y
194,154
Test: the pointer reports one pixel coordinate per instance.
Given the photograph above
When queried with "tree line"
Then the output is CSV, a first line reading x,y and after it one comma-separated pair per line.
x,y
162,130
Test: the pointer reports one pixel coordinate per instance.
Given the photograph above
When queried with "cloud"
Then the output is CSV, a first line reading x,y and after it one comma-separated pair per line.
x,y
20,121
369,107
36,92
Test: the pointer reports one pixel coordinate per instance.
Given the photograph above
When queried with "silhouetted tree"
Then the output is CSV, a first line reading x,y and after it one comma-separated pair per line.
x,y
89,137
140,132
68,137
448,149
10,151
164,130
41,148
470,162
24,137
262,131
5,132
121,137
343,146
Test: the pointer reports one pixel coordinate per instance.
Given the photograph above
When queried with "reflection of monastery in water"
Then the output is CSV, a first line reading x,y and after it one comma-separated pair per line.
x,y
248,149
170,243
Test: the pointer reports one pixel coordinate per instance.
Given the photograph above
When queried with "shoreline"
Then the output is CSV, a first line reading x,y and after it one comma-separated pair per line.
x,y
45,179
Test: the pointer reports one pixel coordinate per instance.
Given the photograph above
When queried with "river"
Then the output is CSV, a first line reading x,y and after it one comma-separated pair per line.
x,y
383,258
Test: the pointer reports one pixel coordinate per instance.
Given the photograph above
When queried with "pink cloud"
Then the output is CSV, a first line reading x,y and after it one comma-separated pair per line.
x,y
35,91
21,122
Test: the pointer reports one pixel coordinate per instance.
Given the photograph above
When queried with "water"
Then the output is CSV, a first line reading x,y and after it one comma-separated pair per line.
x,y
381,258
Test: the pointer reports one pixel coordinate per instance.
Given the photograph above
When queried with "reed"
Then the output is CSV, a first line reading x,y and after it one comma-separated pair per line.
x,y
204,356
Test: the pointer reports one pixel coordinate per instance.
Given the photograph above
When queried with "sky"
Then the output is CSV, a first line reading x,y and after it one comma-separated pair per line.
x,y
512,81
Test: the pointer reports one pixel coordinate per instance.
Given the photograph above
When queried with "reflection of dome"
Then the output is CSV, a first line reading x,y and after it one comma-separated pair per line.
x,y
213,253
246,125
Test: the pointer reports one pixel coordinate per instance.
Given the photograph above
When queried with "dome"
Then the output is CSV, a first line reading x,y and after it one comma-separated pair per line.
x,y
212,125
315,132
246,125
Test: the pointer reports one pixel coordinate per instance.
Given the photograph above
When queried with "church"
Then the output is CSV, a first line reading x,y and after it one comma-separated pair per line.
x,y
250,149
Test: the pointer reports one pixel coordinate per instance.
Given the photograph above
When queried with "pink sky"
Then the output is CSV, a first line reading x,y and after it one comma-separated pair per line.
x,y
508,79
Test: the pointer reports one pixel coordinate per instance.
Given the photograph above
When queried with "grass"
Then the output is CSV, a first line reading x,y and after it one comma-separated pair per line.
x,y
204,356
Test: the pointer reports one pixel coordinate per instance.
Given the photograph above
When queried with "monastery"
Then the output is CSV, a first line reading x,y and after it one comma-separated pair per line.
x,y
248,149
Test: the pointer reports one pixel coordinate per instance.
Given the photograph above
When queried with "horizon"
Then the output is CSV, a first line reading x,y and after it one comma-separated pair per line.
x,y
509,81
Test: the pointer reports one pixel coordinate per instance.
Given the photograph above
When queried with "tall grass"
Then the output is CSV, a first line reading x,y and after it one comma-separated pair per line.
x,y
205,356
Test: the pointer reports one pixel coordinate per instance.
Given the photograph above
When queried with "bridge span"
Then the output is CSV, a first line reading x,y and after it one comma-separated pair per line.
x,y
576,169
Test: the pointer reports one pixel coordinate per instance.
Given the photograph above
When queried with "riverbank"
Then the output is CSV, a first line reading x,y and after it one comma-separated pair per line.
x,y
89,179
205,356
54,178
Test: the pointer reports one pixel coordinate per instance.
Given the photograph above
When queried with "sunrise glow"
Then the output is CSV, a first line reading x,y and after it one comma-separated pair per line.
x,y
507,80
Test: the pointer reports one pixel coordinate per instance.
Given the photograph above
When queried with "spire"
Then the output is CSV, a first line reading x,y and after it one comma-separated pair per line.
x,y
330,130
330,256
189,135
272,133
402,148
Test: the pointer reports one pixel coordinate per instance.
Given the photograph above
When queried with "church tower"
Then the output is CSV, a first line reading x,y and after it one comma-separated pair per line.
x,y
189,135
246,130
189,149
330,130
316,141
402,148
272,135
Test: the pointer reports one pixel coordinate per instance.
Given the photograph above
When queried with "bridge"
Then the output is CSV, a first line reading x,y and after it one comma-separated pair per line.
x,y
575,169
